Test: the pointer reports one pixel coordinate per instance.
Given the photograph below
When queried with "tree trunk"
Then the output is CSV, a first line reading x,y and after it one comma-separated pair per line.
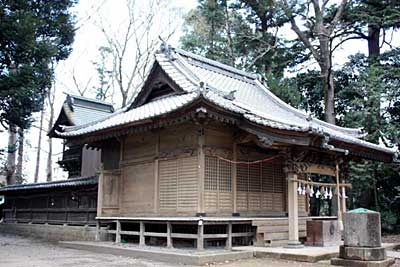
x,y
373,42
11,155
18,172
39,148
49,176
325,63
229,35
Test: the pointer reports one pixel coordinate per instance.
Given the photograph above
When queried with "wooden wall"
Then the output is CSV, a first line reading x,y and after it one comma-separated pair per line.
x,y
91,160
184,170
157,175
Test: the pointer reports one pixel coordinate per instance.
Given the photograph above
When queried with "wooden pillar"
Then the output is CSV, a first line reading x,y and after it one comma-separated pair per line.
x,y
339,212
118,232
228,244
293,212
200,235
344,207
169,238
142,241
156,176
234,179
201,163
100,191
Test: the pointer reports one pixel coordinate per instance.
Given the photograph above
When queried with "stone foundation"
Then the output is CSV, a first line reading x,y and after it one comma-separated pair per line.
x,y
50,232
356,263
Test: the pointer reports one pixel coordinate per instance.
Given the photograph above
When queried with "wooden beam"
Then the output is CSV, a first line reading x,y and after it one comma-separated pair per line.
x,y
321,169
321,184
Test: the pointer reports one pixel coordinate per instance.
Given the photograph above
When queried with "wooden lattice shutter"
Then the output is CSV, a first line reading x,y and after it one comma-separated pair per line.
x,y
217,185
178,184
168,180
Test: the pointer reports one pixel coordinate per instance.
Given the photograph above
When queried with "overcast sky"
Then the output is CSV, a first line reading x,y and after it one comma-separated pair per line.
x,y
91,16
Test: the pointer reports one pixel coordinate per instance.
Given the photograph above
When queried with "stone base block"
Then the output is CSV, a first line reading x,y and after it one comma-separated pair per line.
x,y
362,253
294,244
356,263
323,233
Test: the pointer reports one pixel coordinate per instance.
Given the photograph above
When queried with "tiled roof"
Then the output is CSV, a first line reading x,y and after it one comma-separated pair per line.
x,y
229,88
56,184
84,110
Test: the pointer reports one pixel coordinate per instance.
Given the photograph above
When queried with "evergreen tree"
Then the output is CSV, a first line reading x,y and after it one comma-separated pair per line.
x,y
33,34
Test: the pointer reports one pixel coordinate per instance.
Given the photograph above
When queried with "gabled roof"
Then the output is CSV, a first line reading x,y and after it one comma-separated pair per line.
x,y
230,89
79,110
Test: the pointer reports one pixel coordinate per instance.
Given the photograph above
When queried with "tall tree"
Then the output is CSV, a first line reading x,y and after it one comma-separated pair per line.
x,y
105,76
373,21
245,34
33,33
11,155
39,148
320,24
132,45
51,95
20,160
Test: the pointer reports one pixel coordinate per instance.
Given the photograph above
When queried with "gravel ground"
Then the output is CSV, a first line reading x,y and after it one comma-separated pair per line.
x,y
23,252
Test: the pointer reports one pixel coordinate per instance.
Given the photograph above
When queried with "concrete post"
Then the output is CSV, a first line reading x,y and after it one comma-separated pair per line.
x,y
169,239
200,236
97,238
228,244
142,241
118,232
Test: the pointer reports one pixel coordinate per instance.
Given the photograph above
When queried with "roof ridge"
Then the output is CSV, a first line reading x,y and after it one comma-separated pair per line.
x,y
91,100
215,63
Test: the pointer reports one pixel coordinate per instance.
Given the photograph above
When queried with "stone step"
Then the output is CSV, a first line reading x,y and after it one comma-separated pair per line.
x,y
281,236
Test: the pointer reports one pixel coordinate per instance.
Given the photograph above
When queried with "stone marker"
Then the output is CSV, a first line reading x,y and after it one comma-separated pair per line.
x,y
362,240
323,233
362,228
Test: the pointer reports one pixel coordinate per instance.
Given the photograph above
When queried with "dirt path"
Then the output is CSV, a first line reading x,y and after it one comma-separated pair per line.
x,y
24,252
